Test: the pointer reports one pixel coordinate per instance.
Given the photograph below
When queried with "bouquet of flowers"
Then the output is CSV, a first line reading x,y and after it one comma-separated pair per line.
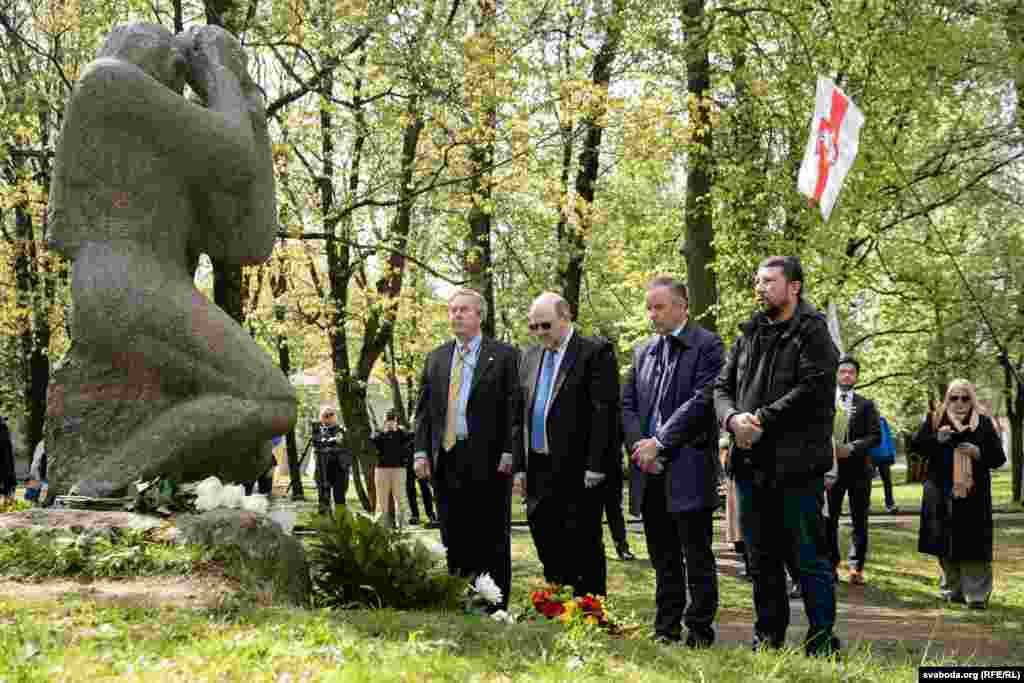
x,y
557,602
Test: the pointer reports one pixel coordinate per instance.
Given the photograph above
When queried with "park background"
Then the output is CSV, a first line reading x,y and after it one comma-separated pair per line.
x,y
520,145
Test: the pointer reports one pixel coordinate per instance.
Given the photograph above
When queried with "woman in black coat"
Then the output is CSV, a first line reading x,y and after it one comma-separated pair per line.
x,y
961,447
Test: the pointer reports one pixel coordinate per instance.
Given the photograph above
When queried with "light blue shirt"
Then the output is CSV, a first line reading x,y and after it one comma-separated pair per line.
x,y
470,358
559,356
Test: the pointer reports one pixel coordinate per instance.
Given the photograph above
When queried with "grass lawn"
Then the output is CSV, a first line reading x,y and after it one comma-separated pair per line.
x,y
908,495
890,627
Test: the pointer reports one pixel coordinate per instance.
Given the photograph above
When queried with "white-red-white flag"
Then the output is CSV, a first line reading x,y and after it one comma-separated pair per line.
x,y
835,133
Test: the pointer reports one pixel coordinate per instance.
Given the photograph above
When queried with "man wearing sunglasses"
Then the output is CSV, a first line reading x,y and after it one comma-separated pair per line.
x,y
570,385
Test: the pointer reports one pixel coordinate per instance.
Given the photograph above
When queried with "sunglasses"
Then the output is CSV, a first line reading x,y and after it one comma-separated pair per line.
x,y
965,399
539,326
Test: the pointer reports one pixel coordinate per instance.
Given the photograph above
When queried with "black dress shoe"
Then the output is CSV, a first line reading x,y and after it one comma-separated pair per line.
x,y
624,554
700,639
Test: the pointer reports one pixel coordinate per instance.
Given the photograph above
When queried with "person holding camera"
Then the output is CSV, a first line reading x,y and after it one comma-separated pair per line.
x,y
394,446
333,462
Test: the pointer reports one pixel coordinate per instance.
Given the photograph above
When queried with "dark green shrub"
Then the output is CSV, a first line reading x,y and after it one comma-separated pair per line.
x,y
357,562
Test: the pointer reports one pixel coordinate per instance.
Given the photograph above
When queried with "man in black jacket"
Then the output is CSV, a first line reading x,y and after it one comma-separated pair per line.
x,y
776,395
863,432
394,449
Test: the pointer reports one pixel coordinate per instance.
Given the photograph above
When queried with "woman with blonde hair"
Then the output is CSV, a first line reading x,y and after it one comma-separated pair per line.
x,y
961,447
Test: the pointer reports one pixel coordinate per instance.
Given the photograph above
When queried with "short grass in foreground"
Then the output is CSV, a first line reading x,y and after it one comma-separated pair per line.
x,y
79,639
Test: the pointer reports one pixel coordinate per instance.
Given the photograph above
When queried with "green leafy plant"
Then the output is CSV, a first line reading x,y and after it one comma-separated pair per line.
x,y
26,554
358,562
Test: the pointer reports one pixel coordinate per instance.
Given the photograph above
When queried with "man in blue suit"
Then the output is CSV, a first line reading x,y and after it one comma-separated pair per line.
x,y
668,418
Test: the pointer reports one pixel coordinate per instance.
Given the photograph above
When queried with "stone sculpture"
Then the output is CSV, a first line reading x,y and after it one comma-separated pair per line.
x,y
159,380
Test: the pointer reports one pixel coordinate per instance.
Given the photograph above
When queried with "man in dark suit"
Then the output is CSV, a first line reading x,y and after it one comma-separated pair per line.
x,y
855,471
467,425
570,385
669,423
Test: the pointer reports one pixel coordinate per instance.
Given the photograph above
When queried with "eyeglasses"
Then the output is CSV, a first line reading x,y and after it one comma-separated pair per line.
x,y
539,326
965,399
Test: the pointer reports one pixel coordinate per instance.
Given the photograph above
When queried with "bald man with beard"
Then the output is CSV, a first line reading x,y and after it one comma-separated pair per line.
x,y
570,385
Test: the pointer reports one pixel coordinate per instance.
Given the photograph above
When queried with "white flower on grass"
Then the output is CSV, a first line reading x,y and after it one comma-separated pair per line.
x,y
485,587
503,617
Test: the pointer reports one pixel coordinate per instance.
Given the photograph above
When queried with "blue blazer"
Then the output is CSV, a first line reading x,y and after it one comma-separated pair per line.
x,y
689,429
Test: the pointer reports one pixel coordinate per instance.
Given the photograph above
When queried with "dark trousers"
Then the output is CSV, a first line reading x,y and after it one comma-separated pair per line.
x,y
336,481
567,533
885,474
679,544
786,520
263,484
410,492
475,519
859,489
612,503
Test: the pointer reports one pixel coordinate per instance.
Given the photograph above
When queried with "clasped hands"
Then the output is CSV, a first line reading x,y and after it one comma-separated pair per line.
x,y
645,456
945,433
746,429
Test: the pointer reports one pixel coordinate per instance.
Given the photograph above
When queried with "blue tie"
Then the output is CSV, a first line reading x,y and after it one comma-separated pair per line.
x,y
540,402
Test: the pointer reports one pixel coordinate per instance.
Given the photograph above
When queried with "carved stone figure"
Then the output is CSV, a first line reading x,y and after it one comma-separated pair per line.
x,y
159,380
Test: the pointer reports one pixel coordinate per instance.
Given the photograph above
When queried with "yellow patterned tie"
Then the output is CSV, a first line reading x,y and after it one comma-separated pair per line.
x,y
454,389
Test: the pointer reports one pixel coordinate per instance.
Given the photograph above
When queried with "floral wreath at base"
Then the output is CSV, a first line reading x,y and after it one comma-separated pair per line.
x,y
558,602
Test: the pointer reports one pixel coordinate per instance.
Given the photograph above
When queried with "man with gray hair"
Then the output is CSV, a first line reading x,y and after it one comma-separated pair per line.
x,y
467,424
570,385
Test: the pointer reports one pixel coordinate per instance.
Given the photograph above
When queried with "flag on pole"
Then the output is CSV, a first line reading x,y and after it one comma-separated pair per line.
x,y
835,132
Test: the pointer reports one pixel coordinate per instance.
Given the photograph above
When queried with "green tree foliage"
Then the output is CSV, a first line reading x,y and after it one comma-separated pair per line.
x,y
522,146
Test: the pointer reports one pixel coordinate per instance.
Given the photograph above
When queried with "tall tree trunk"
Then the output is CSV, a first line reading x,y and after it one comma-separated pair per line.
x,y
398,405
698,248
279,288
478,262
575,243
29,257
352,407
380,320
1014,394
